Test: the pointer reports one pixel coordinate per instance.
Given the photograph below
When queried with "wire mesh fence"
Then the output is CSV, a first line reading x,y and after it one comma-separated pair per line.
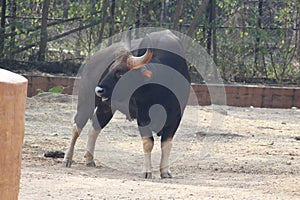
x,y
249,40
259,41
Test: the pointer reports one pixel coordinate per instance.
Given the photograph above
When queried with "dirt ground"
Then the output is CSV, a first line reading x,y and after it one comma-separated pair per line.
x,y
219,152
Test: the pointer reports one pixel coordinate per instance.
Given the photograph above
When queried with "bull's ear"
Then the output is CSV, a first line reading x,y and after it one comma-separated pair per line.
x,y
147,73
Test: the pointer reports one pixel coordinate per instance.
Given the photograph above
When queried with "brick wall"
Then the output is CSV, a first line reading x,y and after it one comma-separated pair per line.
x,y
236,95
249,95
44,83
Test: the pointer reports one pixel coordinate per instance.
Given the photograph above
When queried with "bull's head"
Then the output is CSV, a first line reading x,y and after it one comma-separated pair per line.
x,y
124,62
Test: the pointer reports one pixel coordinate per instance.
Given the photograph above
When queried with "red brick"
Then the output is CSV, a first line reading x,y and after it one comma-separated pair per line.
x,y
256,100
266,101
242,90
231,89
199,88
234,100
281,101
281,91
296,97
267,91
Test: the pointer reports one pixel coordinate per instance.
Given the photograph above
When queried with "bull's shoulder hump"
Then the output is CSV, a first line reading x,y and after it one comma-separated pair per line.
x,y
168,41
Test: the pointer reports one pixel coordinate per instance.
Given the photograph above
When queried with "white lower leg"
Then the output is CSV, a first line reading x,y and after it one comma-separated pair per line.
x,y
166,150
69,153
90,147
147,163
148,144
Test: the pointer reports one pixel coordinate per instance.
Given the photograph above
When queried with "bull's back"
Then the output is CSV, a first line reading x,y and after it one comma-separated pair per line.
x,y
167,50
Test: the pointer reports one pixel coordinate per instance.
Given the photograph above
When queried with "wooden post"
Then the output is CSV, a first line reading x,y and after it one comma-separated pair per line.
x,y
13,92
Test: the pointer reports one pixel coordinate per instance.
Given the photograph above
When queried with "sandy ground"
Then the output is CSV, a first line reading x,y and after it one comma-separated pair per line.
x,y
219,152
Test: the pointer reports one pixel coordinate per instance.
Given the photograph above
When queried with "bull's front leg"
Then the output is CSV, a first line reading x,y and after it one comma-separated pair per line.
x,y
165,154
90,147
68,159
148,143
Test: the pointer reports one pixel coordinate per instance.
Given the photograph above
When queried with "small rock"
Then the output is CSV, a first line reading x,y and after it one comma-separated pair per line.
x,y
54,154
84,174
132,135
297,138
222,112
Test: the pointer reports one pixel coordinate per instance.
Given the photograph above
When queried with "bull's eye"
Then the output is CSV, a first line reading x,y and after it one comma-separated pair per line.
x,y
118,74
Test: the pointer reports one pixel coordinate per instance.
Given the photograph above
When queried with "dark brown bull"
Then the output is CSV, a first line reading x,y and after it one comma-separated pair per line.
x,y
152,67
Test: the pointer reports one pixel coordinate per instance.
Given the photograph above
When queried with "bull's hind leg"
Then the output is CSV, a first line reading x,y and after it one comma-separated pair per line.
x,y
90,146
68,159
167,135
165,154
148,143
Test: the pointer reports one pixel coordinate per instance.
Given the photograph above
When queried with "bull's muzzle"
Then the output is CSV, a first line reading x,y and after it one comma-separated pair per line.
x,y
99,91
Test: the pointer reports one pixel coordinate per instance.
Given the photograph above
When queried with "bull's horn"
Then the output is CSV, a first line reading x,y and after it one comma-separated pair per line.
x,y
134,62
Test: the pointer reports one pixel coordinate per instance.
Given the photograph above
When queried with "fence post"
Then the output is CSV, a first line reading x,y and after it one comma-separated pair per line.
x,y
13,92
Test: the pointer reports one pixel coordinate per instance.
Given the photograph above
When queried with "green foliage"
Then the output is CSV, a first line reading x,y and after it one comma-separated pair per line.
x,y
39,91
57,89
252,42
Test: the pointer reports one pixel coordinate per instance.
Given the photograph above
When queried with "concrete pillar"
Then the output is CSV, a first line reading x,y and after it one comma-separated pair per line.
x,y
13,92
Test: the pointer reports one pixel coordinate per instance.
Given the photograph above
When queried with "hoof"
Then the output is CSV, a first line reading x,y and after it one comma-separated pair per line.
x,y
91,164
147,175
166,175
68,163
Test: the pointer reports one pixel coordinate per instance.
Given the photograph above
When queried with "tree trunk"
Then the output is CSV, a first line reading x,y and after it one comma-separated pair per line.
x,y
44,34
138,17
13,89
209,32
258,40
146,9
178,11
13,13
214,36
197,16
162,13
112,20
298,30
66,9
103,21
2,28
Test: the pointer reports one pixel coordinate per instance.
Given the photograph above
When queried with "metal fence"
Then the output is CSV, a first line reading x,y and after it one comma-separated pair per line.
x,y
259,41
249,40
